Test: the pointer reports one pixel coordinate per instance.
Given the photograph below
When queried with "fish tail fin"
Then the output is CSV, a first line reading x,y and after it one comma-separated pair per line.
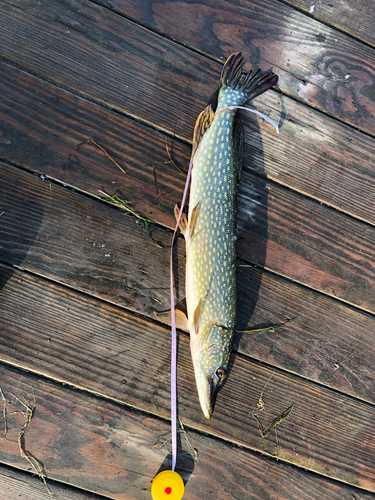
x,y
237,88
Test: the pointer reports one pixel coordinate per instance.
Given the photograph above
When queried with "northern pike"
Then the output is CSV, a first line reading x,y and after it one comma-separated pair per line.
x,y
210,229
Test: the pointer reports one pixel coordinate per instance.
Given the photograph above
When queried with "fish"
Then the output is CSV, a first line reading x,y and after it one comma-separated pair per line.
x,y
210,228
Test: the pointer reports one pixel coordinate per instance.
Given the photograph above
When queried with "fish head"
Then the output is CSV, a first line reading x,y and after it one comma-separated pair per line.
x,y
211,351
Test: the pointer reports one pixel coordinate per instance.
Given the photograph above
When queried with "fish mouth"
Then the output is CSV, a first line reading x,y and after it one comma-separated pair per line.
x,y
207,392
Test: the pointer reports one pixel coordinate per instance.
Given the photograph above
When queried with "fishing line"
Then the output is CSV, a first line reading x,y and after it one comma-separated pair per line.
x,y
168,482
174,333
173,312
265,117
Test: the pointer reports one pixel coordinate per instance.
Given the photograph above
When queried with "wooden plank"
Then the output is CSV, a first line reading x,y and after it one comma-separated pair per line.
x,y
311,58
45,130
100,446
326,342
100,348
84,244
125,65
356,19
48,131
277,229
355,467
60,235
16,485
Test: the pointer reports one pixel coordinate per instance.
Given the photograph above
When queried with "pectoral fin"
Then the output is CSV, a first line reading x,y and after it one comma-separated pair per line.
x,y
196,315
181,319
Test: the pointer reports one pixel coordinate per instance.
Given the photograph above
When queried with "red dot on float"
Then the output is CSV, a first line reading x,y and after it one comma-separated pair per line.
x,y
168,490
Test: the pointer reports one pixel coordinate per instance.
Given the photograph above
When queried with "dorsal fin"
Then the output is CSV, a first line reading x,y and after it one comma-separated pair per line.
x,y
202,124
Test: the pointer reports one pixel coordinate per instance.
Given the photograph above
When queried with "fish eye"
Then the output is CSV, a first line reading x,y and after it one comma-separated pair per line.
x,y
221,372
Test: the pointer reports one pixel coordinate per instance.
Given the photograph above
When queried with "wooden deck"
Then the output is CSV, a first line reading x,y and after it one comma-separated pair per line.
x,y
80,279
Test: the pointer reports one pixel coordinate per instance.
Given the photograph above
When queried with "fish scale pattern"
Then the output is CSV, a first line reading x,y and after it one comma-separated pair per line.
x,y
211,289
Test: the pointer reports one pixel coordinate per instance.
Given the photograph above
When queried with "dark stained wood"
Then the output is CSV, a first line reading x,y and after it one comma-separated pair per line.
x,y
124,64
104,57
45,130
97,347
70,423
52,232
80,280
48,131
278,229
55,233
326,341
354,18
311,59
322,244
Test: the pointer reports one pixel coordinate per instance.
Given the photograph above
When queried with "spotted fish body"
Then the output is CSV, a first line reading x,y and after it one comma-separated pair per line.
x,y
210,232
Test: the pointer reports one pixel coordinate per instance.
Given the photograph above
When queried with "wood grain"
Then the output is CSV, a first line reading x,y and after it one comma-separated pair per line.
x,y
58,234
311,59
326,342
100,348
356,19
77,328
46,130
277,229
103,447
17,485
124,65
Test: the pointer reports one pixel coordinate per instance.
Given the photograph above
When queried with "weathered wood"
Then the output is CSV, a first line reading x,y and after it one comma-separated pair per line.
x,y
114,53
311,59
355,18
45,130
277,229
16,485
97,347
48,131
76,339
326,341
55,233
102,447
71,239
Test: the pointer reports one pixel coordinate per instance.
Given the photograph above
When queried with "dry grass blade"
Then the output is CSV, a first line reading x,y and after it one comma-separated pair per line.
x,y
109,156
170,157
126,206
267,431
4,413
165,438
191,449
270,328
23,452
